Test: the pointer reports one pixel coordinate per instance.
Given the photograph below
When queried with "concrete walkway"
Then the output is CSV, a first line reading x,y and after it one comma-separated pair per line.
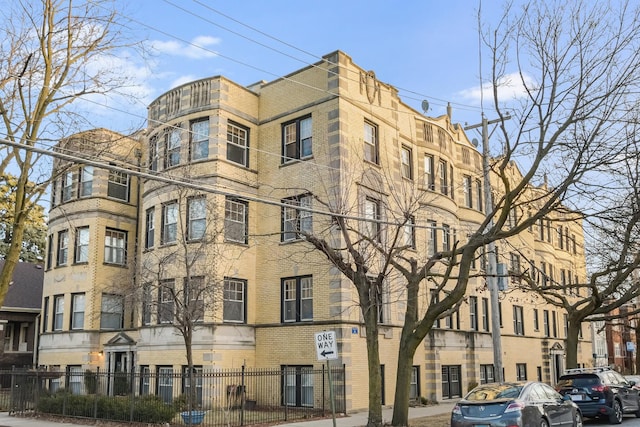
x,y
356,419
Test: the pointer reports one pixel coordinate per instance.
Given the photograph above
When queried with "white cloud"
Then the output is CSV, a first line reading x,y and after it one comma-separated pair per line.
x,y
510,87
199,48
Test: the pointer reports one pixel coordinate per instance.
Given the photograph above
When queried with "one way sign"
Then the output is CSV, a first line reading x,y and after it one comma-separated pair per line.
x,y
326,346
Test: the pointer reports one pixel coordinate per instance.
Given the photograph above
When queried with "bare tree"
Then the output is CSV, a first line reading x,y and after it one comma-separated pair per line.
x,y
577,65
53,55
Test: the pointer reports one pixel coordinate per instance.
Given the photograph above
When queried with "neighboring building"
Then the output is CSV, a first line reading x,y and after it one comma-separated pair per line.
x,y
120,248
19,316
600,344
621,339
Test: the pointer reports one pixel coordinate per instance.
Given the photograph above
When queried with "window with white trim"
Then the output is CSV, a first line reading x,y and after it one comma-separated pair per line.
x,y
150,228
199,139
406,162
82,245
118,185
238,144
297,138
77,311
58,312
166,301
197,219
468,192
115,246
111,312
234,301
236,214
63,247
429,178
371,142
67,186
85,187
372,218
169,223
296,220
172,147
297,299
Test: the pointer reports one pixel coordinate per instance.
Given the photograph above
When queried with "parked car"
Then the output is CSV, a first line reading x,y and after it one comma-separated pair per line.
x,y
515,404
634,380
600,392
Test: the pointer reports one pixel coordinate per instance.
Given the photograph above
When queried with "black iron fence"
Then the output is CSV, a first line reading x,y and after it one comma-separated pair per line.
x,y
210,398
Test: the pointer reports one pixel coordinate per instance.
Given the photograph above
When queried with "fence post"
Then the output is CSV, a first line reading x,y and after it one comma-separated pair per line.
x,y
132,393
283,381
242,395
97,393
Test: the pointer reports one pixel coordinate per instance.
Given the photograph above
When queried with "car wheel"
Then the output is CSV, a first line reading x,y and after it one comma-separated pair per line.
x,y
615,417
544,423
577,420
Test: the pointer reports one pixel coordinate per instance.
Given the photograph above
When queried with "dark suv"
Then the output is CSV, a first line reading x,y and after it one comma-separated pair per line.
x,y
600,392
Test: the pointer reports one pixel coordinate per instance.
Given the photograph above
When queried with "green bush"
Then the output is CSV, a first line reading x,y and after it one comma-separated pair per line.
x,y
145,408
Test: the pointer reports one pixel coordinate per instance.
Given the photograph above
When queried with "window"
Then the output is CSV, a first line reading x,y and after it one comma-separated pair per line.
x,y
485,314
147,304
45,314
518,320
197,219
76,379
370,142
297,139
118,186
234,300
58,312
194,298
150,228
468,192
521,371
372,216
199,135
566,325
186,383
446,237
298,385
86,181
545,322
77,311
406,162
486,374
444,183
414,384
115,247
295,220
54,193
473,312
297,299
435,298
153,153
409,233
429,178
238,144
111,311
166,301
432,244
165,383
169,223
82,245
63,247
235,220
554,318
49,251
514,263
172,148
479,195
536,323
67,186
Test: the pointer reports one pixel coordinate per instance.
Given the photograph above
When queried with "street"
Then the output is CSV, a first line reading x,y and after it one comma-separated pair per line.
x,y
628,421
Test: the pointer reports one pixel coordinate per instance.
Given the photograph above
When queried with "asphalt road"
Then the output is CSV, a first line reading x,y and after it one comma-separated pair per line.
x,y
628,421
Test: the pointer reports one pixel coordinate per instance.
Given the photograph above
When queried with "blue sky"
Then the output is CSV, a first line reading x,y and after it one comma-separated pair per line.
x,y
427,49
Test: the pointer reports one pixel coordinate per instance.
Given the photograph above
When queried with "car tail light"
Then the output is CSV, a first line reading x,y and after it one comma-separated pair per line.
x,y
514,406
600,388
457,410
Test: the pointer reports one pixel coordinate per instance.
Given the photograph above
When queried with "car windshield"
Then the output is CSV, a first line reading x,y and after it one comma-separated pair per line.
x,y
494,391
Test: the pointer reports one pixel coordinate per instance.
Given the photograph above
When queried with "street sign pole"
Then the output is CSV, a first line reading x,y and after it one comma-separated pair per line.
x,y
327,349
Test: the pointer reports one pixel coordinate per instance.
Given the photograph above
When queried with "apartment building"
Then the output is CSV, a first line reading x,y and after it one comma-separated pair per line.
x,y
201,218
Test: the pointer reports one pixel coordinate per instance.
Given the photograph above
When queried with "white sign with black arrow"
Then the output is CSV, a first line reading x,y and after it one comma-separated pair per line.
x,y
326,347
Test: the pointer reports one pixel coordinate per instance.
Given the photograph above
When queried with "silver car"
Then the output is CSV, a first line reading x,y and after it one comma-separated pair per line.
x,y
525,404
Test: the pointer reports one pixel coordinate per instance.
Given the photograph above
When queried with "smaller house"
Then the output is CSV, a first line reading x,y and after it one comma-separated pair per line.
x,y
19,316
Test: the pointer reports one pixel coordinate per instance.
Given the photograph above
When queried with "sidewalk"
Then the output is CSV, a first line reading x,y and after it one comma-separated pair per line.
x,y
352,420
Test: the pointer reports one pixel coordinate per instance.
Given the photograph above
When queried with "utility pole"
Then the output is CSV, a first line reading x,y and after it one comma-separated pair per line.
x,y
492,265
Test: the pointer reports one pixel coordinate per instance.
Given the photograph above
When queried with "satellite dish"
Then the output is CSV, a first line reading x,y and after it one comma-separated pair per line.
x,y
474,141
425,106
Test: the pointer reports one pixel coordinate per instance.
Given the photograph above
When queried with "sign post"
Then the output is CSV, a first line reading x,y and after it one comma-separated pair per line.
x,y
327,349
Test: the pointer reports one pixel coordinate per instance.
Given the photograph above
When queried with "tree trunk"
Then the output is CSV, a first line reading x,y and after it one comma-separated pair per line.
x,y
12,257
403,383
375,376
573,331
